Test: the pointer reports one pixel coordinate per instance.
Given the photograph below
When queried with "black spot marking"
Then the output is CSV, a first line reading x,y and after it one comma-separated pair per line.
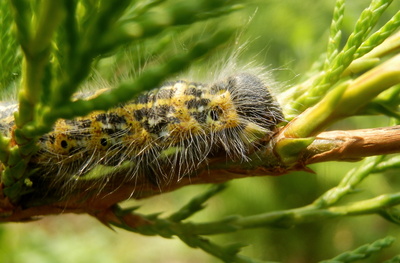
x,y
145,125
196,103
102,117
151,97
200,117
64,144
163,110
151,113
108,131
103,141
116,119
215,113
204,102
197,92
84,124
46,138
158,127
52,139
140,114
191,104
107,118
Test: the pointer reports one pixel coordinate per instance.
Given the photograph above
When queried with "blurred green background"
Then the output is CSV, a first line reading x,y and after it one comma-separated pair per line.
x,y
286,37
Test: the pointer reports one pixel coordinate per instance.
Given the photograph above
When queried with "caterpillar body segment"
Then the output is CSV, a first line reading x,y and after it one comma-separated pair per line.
x,y
165,133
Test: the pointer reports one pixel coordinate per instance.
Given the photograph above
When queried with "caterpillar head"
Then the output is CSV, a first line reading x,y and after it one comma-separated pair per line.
x,y
243,100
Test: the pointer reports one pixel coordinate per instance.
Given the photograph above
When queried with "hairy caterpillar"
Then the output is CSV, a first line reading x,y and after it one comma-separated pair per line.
x,y
165,133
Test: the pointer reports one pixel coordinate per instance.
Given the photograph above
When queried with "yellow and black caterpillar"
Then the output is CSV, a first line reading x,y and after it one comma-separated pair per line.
x,y
165,133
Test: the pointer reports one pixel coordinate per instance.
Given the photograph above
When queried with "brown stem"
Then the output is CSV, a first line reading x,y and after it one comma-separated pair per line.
x,y
353,145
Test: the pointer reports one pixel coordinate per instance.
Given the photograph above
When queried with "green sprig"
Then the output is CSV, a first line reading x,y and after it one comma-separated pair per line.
x,y
10,60
196,204
379,36
368,19
391,163
349,182
346,99
335,32
310,92
362,252
277,219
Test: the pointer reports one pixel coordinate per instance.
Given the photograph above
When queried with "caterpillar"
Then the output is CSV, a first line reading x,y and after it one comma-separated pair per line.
x,y
164,133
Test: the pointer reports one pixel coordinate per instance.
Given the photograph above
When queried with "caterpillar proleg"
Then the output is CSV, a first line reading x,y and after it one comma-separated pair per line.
x,y
165,134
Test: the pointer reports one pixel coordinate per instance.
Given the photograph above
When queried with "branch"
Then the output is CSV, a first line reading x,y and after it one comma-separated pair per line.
x,y
353,145
88,198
